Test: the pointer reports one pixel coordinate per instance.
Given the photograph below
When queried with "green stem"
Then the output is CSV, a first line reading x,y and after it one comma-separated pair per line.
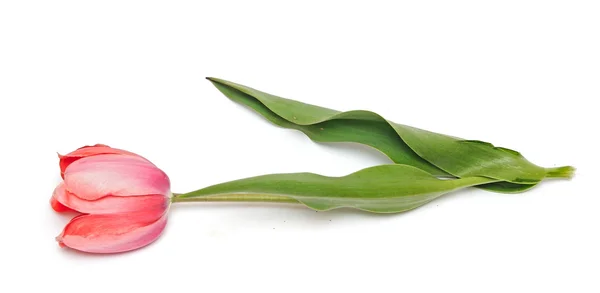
x,y
234,197
560,172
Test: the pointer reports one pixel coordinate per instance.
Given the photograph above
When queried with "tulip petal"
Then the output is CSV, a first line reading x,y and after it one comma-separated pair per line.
x,y
56,205
113,204
113,233
91,178
87,151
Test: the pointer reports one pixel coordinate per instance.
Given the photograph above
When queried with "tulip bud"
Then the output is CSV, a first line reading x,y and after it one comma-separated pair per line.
x,y
123,198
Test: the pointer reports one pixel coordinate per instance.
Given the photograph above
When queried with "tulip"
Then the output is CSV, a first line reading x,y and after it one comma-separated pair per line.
x,y
122,198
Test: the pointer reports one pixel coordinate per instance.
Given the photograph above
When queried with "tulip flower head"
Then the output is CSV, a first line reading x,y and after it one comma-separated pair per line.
x,y
122,198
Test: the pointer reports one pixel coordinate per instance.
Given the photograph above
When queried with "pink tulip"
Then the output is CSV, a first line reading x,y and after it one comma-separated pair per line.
x,y
123,199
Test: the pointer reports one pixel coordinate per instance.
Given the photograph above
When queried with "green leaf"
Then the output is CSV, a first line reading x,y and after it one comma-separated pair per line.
x,y
440,155
379,189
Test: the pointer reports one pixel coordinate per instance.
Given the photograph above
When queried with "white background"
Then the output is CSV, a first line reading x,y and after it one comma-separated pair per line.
x,y
130,74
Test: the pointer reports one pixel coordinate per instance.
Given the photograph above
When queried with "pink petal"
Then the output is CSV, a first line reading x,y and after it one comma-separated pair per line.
x,y
55,203
91,178
59,207
113,233
108,204
114,204
86,151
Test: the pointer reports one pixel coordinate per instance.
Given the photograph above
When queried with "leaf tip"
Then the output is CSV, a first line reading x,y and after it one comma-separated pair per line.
x,y
567,172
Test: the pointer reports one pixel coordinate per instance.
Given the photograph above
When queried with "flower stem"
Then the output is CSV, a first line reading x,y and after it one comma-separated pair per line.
x,y
235,197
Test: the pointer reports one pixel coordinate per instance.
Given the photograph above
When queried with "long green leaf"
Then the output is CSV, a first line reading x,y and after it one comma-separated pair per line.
x,y
440,155
379,189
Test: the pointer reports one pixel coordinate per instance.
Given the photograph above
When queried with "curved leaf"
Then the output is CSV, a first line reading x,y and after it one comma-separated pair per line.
x,y
379,189
439,154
